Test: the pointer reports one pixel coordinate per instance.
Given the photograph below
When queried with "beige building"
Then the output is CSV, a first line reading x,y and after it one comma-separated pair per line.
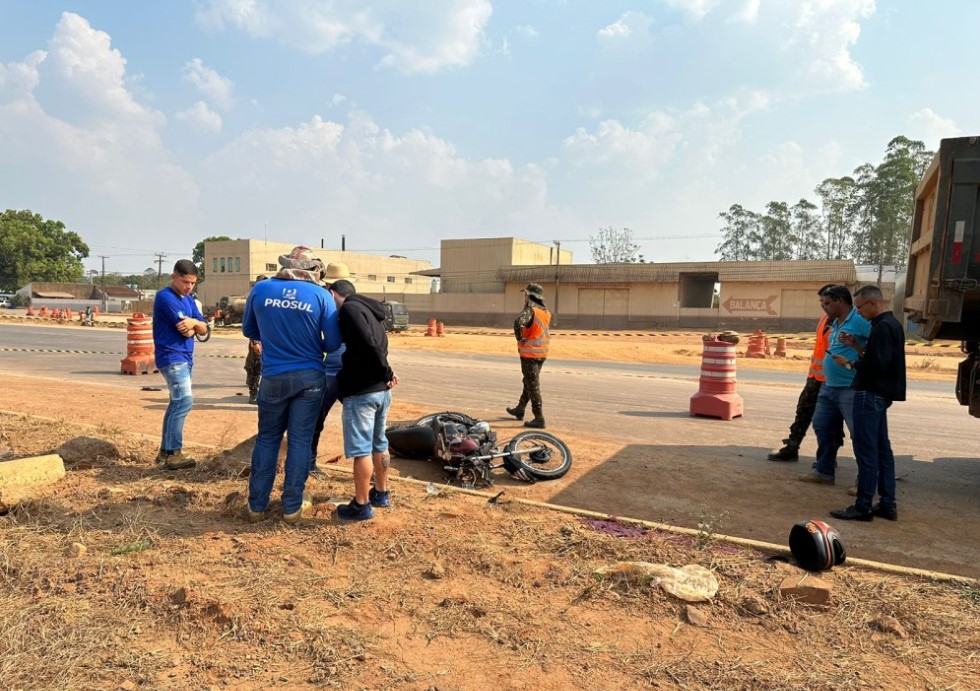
x,y
231,267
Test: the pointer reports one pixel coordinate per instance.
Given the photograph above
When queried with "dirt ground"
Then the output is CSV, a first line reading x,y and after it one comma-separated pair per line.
x,y
123,576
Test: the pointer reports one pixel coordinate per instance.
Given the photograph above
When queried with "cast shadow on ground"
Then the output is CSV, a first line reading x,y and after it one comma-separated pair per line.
x,y
655,413
759,499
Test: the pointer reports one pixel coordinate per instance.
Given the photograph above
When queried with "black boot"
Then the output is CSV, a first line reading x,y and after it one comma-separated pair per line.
x,y
517,412
536,423
253,396
790,452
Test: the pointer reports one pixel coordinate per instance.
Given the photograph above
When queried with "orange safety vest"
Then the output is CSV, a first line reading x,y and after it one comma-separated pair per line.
x,y
536,338
820,350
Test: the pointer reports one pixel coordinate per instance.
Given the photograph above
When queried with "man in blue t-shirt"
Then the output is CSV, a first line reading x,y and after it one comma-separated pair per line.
x,y
835,403
176,318
296,321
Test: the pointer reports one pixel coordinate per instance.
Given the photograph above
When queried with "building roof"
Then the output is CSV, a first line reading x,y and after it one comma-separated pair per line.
x,y
120,292
53,294
825,271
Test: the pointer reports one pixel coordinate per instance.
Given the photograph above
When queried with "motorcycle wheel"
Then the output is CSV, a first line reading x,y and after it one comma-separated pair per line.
x,y
449,416
551,463
205,338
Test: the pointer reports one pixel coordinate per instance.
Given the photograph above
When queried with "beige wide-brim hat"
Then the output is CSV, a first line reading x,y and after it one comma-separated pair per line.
x,y
337,272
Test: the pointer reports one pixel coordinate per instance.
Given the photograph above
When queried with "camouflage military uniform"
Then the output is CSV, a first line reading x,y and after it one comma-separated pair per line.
x,y
253,372
530,368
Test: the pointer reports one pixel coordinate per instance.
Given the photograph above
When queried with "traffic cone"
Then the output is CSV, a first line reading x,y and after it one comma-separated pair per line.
x,y
430,329
758,345
780,347
440,329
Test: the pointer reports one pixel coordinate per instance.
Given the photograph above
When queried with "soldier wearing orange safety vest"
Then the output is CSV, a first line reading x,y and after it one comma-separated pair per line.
x,y
807,402
533,338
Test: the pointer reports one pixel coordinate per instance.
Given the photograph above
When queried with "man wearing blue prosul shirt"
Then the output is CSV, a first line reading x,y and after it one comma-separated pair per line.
x,y
296,321
835,403
176,318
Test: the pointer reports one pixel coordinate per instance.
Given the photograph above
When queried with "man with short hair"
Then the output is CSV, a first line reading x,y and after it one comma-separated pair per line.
x,y
365,382
533,341
835,403
176,318
807,401
296,321
879,380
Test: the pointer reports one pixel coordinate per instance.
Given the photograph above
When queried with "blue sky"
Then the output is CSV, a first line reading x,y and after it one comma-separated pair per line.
x,y
146,127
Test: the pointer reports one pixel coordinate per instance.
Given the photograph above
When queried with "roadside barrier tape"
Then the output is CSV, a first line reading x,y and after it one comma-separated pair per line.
x,y
67,351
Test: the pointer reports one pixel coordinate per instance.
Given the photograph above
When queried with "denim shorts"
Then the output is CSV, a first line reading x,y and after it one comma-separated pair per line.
x,y
365,416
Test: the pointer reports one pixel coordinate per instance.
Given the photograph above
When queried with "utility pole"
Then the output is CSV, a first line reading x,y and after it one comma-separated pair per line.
x,y
557,280
159,257
105,304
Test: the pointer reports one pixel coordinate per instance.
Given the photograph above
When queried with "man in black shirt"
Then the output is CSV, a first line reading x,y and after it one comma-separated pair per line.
x,y
879,381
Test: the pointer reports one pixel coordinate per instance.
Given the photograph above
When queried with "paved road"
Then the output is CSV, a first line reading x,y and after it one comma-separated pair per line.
x,y
667,466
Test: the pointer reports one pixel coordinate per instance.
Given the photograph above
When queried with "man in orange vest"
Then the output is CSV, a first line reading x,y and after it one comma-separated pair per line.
x,y
533,338
807,402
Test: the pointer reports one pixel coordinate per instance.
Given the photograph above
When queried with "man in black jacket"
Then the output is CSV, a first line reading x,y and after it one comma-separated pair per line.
x,y
879,381
365,383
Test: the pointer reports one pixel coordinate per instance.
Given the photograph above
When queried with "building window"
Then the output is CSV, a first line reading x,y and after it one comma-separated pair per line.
x,y
271,267
222,265
229,264
238,264
214,261
408,280
372,277
697,290
391,279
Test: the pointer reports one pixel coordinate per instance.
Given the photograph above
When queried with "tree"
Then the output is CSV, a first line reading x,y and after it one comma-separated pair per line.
x,y
611,245
35,249
807,230
776,233
197,256
838,197
740,236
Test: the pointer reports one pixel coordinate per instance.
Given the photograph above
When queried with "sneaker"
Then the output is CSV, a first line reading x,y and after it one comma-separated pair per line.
x,y
516,412
253,398
175,460
379,499
317,472
536,423
815,479
889,513
294,518
787,453
255,516
355,512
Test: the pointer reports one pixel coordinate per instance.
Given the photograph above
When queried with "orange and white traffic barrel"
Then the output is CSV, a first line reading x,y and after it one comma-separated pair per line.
x,y
716,396
139,346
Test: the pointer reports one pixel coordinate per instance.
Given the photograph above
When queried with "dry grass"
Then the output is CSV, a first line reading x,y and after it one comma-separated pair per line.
x,y
443,591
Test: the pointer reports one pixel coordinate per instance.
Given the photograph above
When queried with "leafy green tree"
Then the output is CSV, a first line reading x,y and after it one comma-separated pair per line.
x,y
807,230
776,233
611,245
740,234
35,249
197,256
838,197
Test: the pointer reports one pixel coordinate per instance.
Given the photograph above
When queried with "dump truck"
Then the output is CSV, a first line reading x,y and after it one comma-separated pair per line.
x,y
942,281
231,307
396,316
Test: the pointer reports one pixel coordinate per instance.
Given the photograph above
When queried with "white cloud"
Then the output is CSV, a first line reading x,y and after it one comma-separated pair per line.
x,y
695,9
632,27
928,126
18,79
414,38
747,13
209,83
527,31
201,117
826,30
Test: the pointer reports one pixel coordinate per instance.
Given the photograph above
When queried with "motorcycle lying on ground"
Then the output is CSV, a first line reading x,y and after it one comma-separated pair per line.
x,y
469,450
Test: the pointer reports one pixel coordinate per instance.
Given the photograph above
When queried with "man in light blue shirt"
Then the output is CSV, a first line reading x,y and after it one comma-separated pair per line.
x,y
835,404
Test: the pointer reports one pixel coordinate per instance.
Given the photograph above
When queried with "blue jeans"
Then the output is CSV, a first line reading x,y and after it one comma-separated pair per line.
x,y
288,402
331,391
876,462
365,416
178,378
835,408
